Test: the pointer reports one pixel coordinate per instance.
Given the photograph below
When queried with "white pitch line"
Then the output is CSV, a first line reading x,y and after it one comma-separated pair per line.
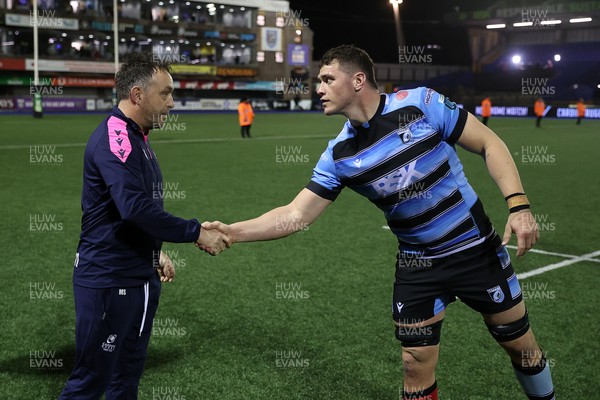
x,y
564,263
175,141
550,253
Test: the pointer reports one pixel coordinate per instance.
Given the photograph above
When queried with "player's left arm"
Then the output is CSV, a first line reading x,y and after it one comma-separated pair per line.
x,y
479,139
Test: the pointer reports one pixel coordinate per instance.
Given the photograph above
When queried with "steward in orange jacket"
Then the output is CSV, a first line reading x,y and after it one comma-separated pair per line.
x,y
538,109
486,110
246,116
580,111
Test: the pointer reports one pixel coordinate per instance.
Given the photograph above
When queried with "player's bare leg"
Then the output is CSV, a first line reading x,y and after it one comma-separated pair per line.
x,y
419,365
528,360
419,362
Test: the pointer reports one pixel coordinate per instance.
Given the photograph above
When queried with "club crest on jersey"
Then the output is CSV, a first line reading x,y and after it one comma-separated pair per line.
x,y
496,294
405,135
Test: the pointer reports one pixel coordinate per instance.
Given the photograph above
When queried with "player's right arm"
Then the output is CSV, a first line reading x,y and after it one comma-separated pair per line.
x,y
309,204
277,223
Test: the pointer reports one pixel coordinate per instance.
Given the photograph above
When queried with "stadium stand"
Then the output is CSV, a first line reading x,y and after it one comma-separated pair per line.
x,y
220,51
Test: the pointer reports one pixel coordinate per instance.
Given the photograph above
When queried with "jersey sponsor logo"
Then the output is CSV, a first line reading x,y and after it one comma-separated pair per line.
x,y
496,294
450,104
401,95
357,163
428,96
398,179
447,102
108,345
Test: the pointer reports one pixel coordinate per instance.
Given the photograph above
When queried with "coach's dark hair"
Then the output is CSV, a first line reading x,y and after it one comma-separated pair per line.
x,y
351,59
137,70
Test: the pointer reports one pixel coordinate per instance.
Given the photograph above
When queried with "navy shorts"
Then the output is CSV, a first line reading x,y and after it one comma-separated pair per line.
x,y
482,277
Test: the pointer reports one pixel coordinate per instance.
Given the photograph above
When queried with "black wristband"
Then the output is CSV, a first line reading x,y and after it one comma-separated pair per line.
x,y
519,208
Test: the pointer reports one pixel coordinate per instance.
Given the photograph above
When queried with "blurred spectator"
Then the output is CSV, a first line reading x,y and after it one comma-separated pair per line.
x,y
538,108
246,116
580,111
486,110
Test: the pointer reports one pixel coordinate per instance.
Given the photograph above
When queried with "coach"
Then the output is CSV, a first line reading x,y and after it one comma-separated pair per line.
x,y
119,264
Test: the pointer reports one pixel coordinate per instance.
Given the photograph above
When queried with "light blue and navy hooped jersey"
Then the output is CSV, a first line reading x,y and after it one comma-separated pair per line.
x,y
404,161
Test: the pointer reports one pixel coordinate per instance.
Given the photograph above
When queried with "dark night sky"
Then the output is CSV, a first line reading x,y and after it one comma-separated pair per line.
x,y
370,25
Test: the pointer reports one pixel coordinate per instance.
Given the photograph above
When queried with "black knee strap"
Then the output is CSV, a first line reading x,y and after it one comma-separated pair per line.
x,y
512,331
419,336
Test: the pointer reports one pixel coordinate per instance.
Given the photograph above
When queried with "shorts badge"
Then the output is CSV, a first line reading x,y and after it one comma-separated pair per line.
x,y
496,294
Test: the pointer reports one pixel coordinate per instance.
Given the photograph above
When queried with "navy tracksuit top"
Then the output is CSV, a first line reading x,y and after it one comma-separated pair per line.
x,y
124,222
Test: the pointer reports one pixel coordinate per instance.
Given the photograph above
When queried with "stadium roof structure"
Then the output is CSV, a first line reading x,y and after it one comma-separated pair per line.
x,y
518,15
266,5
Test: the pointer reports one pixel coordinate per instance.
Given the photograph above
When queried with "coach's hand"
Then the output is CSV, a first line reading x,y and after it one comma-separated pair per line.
x,y
212,241
166,269
523,224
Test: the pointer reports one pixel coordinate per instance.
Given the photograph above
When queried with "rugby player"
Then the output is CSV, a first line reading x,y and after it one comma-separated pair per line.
x,y
398,150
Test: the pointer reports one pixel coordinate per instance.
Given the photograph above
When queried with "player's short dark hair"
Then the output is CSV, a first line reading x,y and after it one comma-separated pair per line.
x,y
137,70
351,59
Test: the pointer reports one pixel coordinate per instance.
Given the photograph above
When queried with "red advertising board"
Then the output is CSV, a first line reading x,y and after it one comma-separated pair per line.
x,y
83,81
15,64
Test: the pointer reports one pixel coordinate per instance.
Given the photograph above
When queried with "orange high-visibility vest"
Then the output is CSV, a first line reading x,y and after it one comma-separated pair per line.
x,y
246,114
486,108
580,109
539,107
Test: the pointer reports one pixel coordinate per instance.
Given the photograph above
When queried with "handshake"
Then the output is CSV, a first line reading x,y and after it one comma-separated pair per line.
x,y
214,237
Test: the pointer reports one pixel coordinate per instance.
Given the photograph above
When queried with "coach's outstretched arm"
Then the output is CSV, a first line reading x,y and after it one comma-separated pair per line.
x,y
478,138
277,223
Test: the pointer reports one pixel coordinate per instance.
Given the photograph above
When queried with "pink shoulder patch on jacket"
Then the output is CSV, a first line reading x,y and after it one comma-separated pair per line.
x,y
118,138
